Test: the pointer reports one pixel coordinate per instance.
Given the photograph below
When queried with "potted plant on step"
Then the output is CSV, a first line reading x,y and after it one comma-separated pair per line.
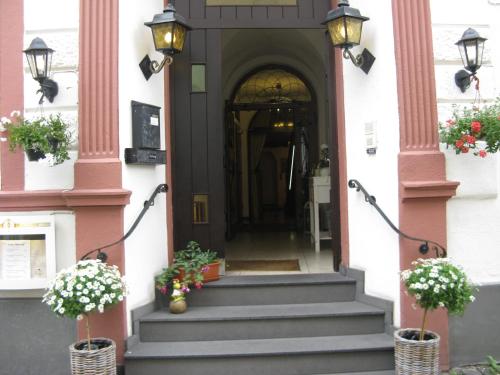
x,y
191,266
434,283
78,291
44,137
178,298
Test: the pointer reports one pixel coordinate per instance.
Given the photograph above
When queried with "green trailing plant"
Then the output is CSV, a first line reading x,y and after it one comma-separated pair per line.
x,y
49,135
192,261
467,126
438,283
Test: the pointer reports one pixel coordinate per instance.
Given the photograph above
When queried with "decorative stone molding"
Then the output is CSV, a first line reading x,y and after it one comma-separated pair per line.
x,y
41,200
428,189
96,197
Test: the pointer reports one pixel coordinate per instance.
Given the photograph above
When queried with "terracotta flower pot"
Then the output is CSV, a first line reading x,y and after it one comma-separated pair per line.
x,y
212,273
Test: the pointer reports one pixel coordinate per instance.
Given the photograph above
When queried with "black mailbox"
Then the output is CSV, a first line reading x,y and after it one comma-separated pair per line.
x,y
145,126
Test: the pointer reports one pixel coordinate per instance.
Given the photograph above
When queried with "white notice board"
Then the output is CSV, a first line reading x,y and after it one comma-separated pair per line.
x,y
27,251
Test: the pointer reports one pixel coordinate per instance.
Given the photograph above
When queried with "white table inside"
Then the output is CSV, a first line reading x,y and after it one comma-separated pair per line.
x,y
319,192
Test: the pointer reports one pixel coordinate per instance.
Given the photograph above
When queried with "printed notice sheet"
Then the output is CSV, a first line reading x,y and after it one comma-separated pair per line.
x,y
16,260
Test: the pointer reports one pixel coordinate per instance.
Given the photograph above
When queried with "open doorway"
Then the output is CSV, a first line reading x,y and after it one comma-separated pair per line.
x,y
271,151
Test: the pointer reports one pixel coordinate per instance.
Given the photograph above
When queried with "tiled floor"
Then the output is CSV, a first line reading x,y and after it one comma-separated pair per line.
x,y
279,245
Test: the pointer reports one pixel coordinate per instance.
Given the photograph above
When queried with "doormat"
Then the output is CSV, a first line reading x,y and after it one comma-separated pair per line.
x,y
263,265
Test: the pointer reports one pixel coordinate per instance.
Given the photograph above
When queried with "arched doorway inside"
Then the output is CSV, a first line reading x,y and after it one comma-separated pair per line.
x,y
271,151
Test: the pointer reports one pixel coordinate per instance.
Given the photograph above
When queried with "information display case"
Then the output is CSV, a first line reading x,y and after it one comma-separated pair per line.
x,y
27,252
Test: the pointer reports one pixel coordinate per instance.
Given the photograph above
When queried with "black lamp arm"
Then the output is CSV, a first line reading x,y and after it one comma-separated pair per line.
x,y
161,188
356,60
156,67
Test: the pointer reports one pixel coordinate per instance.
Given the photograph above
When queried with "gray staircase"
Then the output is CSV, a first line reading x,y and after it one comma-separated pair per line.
x,y
266,325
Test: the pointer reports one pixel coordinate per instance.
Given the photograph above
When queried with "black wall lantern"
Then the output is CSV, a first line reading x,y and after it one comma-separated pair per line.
x,y
169,34
39,58
345,25
471,47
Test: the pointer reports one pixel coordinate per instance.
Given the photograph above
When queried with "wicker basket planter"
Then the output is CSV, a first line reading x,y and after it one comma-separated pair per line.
x,y
414,357
101,361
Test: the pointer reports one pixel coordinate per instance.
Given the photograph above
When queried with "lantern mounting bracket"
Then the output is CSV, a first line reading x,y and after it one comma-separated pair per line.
x,y
463,79
148,66
49,89
364,61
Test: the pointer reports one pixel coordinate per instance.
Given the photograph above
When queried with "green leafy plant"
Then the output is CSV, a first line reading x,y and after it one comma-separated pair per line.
x,y
192,262
490,368
49,135
86,287
438,283
470,125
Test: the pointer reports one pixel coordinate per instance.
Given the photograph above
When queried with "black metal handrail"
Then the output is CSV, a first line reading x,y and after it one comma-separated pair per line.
x,y
424,247
101,255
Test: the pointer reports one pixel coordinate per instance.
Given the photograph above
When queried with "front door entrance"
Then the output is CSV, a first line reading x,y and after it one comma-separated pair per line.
x,y
228,42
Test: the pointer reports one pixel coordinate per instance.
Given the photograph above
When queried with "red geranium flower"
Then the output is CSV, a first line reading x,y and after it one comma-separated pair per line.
x,y
475,126
483,153
464,149
471,139
459,143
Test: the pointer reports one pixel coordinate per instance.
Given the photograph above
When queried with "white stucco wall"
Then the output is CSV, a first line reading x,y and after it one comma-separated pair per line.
x,y
60,34
372,98
474,214
146,249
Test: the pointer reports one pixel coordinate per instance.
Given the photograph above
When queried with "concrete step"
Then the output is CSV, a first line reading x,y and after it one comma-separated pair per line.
x,y
389,372
260,322
291,356
271,290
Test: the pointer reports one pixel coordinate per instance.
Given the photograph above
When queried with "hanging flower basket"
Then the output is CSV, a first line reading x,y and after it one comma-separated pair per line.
x,y
45,137
101,359
475,130
414,356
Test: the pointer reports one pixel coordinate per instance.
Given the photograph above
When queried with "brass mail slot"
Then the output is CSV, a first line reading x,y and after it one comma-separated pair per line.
x,y
200,209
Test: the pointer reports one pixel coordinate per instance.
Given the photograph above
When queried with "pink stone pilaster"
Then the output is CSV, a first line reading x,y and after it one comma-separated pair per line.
x,y
98,198
423,188
11,88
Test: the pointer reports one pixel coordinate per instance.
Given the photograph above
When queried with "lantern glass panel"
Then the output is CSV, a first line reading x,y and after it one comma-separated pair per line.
x,y
179,37
163,35
353,27
345,31
337,31
471,52
39,63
